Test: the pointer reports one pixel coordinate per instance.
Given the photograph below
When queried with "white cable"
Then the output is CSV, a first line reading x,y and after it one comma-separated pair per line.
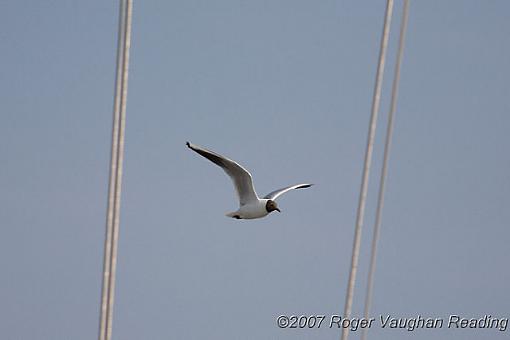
x,y
384,170
116,162
366,168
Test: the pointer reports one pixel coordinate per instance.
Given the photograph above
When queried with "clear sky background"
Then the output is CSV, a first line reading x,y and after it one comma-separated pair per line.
x,y
283,87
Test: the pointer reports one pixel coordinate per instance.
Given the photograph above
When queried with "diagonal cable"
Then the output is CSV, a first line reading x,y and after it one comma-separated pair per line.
x,y
116,162
384,169
366,168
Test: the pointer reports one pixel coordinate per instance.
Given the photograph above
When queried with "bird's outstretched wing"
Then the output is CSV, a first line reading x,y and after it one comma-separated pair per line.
x,y
274,194
239,175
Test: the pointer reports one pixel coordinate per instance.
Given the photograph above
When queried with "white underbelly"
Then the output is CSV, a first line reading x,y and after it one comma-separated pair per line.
x,y
250,211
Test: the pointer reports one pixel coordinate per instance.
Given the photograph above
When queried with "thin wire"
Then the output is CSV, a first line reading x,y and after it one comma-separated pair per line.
x,y
384,170
366,168
115,182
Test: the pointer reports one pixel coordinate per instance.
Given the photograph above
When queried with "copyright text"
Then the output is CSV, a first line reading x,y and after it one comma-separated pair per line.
x,y
388,321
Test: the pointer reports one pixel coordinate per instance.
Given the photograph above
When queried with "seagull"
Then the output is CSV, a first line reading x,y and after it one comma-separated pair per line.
x,y
250,205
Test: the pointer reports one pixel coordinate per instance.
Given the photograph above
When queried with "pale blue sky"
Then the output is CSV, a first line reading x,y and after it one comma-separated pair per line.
x,y
283,87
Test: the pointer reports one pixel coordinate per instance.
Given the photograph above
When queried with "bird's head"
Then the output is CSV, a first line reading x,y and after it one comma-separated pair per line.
x,y
271,206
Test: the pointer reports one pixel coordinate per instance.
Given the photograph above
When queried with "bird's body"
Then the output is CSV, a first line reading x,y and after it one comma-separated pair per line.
x,y
251,210
250,205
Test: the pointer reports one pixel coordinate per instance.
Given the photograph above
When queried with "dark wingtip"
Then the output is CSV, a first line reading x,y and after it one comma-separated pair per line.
x,y
188,145
305,186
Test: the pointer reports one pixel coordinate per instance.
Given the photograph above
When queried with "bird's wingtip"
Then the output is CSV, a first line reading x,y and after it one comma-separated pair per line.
x,y
188,144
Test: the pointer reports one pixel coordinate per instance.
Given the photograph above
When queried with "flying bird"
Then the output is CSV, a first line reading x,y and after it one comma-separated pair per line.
x,y
250,205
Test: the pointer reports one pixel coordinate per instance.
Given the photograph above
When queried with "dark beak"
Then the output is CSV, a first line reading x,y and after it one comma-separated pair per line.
x,y
277,210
